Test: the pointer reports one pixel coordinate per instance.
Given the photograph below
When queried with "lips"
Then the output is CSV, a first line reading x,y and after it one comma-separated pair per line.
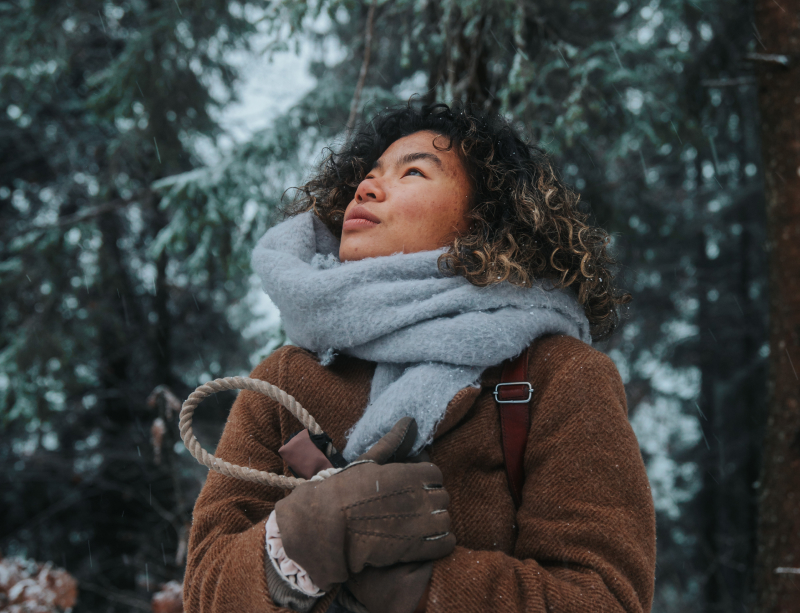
x,y
359,217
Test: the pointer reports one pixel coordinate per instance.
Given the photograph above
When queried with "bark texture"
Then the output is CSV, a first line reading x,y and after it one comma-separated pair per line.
x,y
778,583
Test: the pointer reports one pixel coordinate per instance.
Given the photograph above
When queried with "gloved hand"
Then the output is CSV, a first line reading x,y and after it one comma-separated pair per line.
x,y
397,588
394,589
395,444
368,514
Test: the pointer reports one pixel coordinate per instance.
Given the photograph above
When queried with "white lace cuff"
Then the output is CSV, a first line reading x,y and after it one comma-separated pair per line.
x,y
288,569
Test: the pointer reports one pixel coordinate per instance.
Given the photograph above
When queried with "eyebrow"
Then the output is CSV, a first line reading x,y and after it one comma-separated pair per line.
x,y
408,158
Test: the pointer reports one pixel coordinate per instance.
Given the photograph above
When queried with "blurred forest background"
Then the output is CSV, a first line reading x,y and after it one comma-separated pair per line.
x,y
147,144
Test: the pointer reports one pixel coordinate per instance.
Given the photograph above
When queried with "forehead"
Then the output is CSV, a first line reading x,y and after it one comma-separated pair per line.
x,y
421,142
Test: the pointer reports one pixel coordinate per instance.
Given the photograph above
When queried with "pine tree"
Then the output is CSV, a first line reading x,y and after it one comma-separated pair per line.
x,y
97,105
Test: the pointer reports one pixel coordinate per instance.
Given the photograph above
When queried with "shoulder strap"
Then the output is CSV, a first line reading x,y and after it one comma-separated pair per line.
x,y
513,396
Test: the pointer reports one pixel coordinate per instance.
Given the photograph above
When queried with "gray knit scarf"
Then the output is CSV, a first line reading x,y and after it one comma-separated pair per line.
x,y
431,334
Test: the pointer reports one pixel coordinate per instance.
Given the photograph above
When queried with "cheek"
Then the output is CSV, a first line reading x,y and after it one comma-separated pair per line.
x,y
433,216
412,207
451,209
418,217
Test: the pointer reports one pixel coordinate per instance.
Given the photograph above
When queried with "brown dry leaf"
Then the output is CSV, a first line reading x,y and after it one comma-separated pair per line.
x,y
171,402
60,583
31,587
12,571
157,431
169,599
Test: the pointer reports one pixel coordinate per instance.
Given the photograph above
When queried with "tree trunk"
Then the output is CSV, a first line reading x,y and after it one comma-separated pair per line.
x,y
778,62
708,499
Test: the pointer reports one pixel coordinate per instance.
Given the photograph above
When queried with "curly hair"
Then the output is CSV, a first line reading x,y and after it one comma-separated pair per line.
x,y
525,222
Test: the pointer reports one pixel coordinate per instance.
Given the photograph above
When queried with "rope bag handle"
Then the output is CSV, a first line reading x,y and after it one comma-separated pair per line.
x,y
233,470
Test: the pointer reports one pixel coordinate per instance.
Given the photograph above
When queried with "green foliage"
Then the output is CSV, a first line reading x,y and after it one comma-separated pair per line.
x,y
98,104
125,259
97,101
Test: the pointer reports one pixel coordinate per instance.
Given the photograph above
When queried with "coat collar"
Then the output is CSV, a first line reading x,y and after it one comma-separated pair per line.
x,y
458,407
348,371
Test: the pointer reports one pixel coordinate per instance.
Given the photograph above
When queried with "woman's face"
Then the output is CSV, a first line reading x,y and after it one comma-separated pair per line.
x,y
415,198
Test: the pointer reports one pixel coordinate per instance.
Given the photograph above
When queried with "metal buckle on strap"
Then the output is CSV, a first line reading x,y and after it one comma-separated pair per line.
x,y
499,385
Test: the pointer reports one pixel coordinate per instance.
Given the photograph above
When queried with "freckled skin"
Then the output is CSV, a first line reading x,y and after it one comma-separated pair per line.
x,y
421,205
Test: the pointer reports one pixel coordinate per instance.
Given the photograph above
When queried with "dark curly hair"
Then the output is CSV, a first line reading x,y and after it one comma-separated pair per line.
x,y
526,223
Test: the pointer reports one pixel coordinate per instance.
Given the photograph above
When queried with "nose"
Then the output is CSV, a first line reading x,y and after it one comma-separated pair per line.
x,y
370,190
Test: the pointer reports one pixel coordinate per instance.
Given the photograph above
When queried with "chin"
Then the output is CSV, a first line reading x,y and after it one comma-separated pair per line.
x,y
354,250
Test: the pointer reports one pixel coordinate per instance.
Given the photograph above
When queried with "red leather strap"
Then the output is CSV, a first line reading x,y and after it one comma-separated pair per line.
x,y
515,421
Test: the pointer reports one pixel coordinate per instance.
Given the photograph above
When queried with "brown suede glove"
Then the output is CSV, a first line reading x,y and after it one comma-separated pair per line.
x,y
395,445
398,588
367,515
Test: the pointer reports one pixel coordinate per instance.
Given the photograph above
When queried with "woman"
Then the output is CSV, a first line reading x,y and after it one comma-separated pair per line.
x,y
420,259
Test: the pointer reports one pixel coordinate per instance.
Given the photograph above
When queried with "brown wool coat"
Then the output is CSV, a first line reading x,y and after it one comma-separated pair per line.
x,y
583,539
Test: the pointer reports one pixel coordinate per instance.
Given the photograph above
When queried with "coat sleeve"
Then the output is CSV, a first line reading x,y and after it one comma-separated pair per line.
x,y
225,569
586,525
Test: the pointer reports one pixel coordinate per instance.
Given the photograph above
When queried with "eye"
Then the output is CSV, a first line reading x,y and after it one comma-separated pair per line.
x,y
414,170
